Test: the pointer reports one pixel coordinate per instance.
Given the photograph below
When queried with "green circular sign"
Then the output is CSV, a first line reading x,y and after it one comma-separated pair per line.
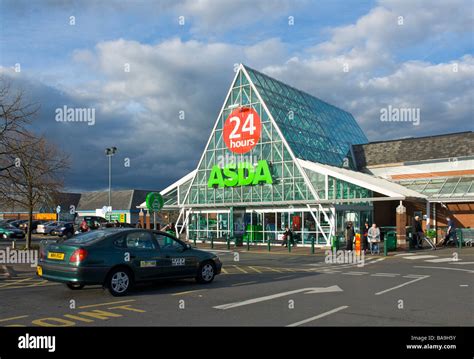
x,y
154,201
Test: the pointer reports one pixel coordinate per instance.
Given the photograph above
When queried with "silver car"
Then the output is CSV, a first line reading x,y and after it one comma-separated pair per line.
x,y
47,227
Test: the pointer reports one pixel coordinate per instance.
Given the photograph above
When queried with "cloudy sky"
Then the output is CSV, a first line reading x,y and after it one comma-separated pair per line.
x,y
356,54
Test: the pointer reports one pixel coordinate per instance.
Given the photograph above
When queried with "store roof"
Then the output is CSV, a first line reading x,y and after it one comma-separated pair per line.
x,y
314,129
120,200
414,149
443,189
63,199
370,182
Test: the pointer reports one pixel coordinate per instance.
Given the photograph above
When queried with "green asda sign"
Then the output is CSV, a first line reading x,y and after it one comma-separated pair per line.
x,y
243,174
154,201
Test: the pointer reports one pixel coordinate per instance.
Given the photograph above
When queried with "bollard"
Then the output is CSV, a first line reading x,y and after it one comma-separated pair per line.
x,y
289,245
385,248
194,241
212,242
269,245
312,245
248,243
228,242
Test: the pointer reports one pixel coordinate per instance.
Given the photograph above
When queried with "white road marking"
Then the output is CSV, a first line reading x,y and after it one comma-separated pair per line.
x,y
462,263
377,260
420,257
315,290
404,254
463,285
384,274
355,273
413,276
335,310
401,285
441,260
446,268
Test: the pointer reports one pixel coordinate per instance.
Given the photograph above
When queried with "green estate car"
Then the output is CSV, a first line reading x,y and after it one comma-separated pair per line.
x,y
119,257
7,231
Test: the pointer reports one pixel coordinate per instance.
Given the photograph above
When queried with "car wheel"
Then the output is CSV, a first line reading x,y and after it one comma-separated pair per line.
x,y
69,235
75,286
119,282
206,272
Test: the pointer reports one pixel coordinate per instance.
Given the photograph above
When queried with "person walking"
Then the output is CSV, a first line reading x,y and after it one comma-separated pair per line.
x,y
418,233
350,234
450,232
374,238
288,237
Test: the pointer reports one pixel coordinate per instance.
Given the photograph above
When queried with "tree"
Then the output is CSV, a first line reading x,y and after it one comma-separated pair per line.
x,y
31,168
15,114
37,176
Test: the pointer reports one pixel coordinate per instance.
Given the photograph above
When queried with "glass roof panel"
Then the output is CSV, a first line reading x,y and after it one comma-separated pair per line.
x,y
314,125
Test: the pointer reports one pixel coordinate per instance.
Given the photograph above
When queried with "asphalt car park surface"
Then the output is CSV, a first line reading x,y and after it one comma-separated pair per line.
x,y
408,289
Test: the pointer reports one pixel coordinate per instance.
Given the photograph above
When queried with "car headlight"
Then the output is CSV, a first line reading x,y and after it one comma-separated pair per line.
x,y
63,228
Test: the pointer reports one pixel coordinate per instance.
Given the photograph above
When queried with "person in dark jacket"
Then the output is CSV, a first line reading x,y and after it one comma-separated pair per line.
x,y
350,234
451,232
288,236
418,233
365,234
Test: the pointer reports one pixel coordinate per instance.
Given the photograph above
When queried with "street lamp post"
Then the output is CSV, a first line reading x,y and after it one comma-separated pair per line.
x,y
109,152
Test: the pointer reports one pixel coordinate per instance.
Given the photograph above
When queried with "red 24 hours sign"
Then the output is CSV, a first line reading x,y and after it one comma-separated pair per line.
x,y
242,130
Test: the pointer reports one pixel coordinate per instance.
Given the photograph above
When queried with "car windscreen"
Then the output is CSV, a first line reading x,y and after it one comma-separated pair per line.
x,y
88,237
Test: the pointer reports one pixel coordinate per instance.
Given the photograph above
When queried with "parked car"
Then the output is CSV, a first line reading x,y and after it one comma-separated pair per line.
x,y
47,227
94,222
119,257
34,225
8,231
6,221
65,229
18,222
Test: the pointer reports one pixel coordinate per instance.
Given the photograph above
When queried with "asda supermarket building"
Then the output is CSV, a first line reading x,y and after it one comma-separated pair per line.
x,y
278,157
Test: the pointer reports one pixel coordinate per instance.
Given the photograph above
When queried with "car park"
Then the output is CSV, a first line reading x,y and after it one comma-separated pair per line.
x,y
18,222
34,225
64,230
7,231
47,227
94,222
6,221
117,258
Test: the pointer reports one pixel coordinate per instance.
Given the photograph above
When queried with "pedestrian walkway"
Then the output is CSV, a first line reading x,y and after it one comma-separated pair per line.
x,y
261,249
448,258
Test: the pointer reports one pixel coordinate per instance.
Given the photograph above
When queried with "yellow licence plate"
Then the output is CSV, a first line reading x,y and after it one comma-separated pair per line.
x,y
39,270
54,255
